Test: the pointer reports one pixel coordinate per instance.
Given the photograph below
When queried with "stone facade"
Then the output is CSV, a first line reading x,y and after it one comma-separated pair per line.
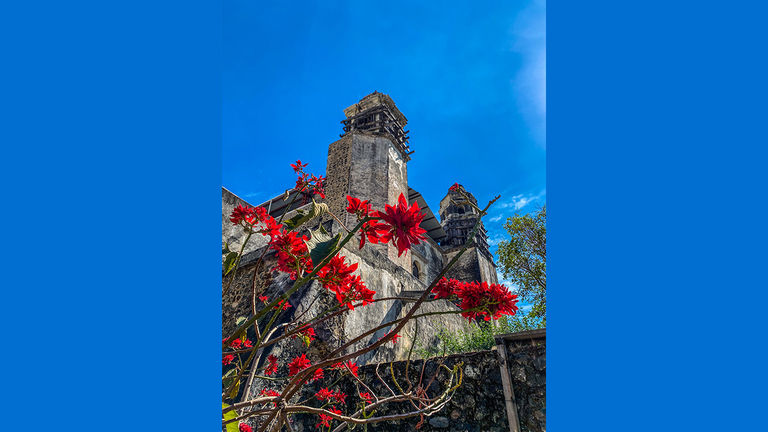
x,y
369,162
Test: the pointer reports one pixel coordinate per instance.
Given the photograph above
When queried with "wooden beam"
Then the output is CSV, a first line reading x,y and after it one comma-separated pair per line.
x,y
506,383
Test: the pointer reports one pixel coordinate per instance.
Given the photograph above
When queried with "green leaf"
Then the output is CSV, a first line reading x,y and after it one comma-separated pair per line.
x,y
321,245
226,249
297,220
235,390
229,262
231,427
228,377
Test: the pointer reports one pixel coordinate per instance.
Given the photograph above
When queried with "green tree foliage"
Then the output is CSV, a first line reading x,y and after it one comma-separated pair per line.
x,y
523,260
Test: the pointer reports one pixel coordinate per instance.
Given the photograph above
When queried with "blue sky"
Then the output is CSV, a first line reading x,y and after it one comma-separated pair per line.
x,y
469,78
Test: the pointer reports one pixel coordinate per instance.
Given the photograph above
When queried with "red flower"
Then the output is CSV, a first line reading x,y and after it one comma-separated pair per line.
x,y
272,366
492,301
236,344
446,288
357,207
335,411
247,344
324,394
292,253
298,364
318,375
375,232
395,338
403,223
241,213
227,359
455,187
272,228
270,393
339,396
325,420
348,364
333,275
366,397
263,299
282,304
317,186
298,166
244,427
308,334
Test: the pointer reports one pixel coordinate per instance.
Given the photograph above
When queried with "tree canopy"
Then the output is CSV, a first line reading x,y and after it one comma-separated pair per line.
x,y
523,260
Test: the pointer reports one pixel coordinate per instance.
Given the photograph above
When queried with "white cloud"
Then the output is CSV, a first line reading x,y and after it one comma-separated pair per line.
x,y
496,218
529,34
520,201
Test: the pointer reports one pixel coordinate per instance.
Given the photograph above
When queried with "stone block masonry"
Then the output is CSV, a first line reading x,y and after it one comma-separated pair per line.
x,y
477,406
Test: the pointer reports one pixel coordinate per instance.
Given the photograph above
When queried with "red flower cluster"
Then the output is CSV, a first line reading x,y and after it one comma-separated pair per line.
x,y
318,375
446,287
348,364
325,420
244,427
227,359
324,394
270,393
298,364
308,334
337,276
254,215
307,184
237,343
249,215
358,207
402,223
292,253
491,301
366,397
272,366
339,396
454,188
282,304
264,299
298,166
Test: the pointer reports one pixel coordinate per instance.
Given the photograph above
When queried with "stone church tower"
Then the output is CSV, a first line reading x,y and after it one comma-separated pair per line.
x,y
458,217
370,161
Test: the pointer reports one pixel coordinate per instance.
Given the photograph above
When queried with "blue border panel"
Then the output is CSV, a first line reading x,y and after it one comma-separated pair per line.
x,y
111,179
656,175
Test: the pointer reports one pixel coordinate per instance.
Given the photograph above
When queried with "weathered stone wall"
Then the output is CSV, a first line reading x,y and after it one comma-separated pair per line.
x,y
231,234
337,177
379,274
527,363
477,406
467,268
368,167
431,256
487,269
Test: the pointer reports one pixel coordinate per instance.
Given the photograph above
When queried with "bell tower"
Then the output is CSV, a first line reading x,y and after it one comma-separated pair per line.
x,y
458,216
369,161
